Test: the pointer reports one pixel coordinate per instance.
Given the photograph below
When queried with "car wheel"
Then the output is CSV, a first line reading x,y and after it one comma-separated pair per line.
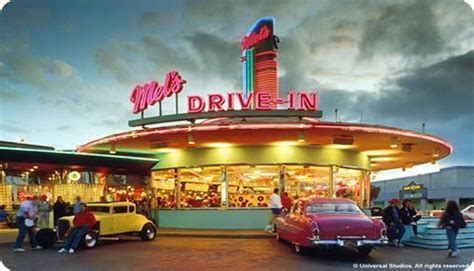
x,y
364,251
148,232
299,249
90,240
277,235
46,238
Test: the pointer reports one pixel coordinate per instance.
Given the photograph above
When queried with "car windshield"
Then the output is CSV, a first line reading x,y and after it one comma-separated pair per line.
x,y
99,209
333,208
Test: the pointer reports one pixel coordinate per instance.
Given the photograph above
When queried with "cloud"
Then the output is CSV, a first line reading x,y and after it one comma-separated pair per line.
x,y
109,60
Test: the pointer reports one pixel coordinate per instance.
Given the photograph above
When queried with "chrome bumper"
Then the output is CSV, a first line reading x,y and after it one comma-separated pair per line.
x,y
356,241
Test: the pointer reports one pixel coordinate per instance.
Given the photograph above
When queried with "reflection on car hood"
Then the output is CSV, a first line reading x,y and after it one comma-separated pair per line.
x,y
358,221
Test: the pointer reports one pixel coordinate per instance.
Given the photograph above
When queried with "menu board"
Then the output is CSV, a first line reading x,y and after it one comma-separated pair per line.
x,y
201,187
165,185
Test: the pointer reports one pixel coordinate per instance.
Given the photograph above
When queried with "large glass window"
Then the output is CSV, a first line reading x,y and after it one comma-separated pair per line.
x,y
303,181
164,181
348,184
251,186
200,187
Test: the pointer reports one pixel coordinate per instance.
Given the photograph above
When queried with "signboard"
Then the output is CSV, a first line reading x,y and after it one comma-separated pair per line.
x,y
150,93
412,187
413,191
260,90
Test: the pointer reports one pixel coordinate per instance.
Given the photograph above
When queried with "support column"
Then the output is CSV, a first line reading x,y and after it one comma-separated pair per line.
x,y
177,189
423,205
224,188
332,180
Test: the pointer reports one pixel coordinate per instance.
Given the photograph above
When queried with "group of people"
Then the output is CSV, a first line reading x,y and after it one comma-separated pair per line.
x,y
35,213
279,202
397,218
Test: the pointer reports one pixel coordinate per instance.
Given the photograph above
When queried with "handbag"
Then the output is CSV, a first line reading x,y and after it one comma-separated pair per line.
x,y
29,222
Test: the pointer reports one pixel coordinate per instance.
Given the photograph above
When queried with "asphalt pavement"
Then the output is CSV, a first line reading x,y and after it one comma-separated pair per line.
x,y
191,253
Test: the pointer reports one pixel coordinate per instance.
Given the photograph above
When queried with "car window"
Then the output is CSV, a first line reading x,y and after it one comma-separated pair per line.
x,y
99,209
131,209
471,210
120,209
333,207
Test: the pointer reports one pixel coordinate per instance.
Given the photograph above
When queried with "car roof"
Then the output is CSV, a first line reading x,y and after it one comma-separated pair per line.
x,y
313,199
111,204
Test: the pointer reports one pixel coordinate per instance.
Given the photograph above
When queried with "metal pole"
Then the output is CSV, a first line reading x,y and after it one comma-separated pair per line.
x,y
161,110
176,95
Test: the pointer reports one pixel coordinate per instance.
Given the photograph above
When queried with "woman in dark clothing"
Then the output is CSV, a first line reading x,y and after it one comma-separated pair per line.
x,y
59,208
408,215
452,220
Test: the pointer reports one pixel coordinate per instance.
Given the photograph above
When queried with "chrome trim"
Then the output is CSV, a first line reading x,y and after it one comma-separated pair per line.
x,y
344,241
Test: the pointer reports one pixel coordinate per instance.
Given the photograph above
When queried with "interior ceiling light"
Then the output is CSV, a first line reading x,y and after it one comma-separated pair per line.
x,y
191,140
435,153
218,145
407,147
383,159
394,143
158,145
380,152
300,136
112,149
343,140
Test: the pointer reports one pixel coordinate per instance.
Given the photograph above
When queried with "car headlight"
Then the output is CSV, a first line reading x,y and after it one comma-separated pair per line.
x,y
383,233
315,231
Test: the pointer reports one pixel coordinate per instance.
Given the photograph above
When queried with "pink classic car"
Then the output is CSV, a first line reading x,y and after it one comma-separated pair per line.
x,y
330,222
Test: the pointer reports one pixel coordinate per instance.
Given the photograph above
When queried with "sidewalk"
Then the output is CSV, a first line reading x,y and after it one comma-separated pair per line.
x,y
9,235
176,232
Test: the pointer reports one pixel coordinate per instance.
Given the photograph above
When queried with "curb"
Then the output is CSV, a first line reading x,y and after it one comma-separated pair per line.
x,y
210,235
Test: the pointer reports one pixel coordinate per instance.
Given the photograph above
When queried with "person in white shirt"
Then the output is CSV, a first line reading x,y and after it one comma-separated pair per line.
x,y
25,218
275,206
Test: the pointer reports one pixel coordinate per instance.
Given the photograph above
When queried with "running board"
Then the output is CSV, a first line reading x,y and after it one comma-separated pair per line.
x,y
109,238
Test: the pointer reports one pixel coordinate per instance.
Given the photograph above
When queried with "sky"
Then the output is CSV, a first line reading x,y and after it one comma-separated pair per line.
x,y
67,67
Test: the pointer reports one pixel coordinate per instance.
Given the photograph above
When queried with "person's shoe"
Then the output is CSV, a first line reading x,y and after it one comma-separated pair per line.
x,y
395,243
18,250
71,250
37,248
401,245
268,228
454,254
62,250
449,252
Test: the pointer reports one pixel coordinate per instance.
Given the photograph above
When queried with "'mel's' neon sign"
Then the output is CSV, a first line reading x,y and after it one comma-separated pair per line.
x,y
254,38
150,93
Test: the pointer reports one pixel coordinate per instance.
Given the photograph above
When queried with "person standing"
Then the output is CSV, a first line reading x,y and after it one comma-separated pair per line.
x,y
59,208
83,222
77,205
25,220
275,206
44,209
408,215
452,220
286,202
391,218
3,214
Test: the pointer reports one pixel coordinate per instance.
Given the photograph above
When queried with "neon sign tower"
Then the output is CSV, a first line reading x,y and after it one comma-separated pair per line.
x,y
259,66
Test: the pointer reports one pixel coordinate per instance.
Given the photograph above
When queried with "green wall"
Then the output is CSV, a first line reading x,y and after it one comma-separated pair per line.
x,y
213,219
262,155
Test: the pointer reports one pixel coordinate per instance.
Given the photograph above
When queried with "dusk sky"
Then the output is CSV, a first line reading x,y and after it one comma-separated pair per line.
x,y
67,67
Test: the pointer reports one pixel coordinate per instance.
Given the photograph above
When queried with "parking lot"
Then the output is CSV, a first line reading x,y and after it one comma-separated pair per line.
x,y
180,253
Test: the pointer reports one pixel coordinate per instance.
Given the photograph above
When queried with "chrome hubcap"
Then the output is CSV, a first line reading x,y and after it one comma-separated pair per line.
x,y
90,240
297,248
150,233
